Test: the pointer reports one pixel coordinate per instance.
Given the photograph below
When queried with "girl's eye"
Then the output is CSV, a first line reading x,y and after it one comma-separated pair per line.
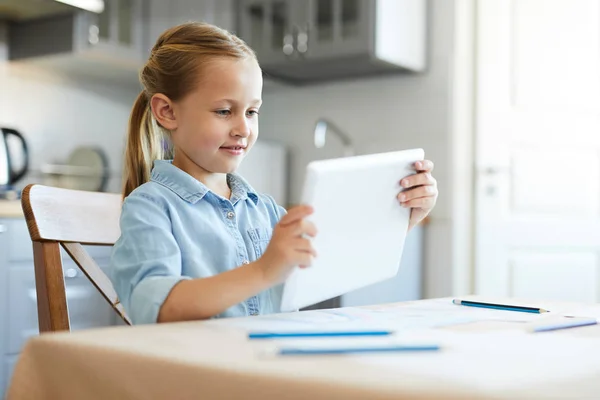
x,y
253,113
223,112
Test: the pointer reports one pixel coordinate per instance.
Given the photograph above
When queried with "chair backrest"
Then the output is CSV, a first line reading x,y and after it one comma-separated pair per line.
x,y
69,218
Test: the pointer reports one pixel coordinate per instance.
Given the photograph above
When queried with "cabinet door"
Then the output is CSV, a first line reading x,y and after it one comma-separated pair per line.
x,y
159,20
268,27
337,28
192,10
87,308
167,14
163,15
3,300
225,15
19,243
117,32
9,364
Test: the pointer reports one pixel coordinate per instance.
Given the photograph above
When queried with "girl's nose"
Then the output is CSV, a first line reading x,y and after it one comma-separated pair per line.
x,y
241,128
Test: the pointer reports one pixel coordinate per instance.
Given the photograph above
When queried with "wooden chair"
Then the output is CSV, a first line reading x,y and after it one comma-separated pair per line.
x,y
69,218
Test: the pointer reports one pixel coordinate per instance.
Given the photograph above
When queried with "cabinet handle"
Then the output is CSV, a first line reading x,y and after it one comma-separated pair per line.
x,y
93,34
2,228
302,42
288,44
71,273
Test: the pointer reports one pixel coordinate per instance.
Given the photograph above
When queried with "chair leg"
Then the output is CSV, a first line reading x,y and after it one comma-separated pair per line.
x,y
53,314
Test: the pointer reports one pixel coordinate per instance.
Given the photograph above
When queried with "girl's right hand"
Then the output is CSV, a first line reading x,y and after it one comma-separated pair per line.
x,y
289,247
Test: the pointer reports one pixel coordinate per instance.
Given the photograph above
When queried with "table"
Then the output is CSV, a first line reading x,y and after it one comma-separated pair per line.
x,y
486,354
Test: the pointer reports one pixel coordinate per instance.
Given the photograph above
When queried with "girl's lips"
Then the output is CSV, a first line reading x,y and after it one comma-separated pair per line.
x,y
234,150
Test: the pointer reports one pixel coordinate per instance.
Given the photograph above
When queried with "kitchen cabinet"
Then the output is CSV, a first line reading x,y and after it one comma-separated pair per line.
x,y
4,364
28,9
118,32
9,366
163,15
109,46
316,40
18,302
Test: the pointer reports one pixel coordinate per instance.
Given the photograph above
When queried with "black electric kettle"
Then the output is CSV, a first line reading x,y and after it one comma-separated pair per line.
x,y
8,175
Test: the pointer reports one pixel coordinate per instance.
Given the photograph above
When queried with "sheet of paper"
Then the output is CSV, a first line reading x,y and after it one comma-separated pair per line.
x,y
307,320
444,308
584,312
399,317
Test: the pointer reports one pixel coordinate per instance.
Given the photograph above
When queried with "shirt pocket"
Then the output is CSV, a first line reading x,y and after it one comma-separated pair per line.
x,y
260,238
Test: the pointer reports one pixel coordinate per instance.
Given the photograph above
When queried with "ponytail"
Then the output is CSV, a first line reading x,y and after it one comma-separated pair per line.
x,y
144,145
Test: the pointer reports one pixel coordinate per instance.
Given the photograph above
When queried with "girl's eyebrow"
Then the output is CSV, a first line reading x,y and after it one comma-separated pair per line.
x,y
231,101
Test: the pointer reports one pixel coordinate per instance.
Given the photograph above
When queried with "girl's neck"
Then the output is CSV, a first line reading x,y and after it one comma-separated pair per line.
x,y
216,182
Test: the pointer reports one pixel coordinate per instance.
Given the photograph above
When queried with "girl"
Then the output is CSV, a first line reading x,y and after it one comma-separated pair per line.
x,y
197,241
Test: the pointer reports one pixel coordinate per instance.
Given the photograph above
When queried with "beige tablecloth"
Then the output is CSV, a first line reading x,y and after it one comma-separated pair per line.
x,y
215,360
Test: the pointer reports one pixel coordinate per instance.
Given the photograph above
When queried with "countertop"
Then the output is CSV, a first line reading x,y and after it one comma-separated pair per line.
x,y
11,209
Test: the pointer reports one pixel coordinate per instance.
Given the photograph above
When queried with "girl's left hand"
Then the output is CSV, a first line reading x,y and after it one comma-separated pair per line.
x,y
420,192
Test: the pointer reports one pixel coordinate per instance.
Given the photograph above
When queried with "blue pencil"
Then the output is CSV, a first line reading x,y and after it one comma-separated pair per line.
x,y
350,350
505,307
564,325
283,335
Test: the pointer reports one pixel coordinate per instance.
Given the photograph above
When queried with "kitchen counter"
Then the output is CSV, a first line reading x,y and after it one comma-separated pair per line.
x,y
11,209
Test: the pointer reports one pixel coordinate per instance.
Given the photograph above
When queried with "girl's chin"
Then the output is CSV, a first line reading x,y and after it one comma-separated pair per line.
x,y
227,168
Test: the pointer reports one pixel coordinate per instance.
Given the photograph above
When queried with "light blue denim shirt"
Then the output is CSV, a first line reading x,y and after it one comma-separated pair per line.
x,y
175,228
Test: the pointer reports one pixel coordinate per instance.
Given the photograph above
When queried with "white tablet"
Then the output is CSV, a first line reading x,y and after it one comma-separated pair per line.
x,y
361,225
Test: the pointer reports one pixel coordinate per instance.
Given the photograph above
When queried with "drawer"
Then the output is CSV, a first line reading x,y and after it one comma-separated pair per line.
x,y
87,307
20,246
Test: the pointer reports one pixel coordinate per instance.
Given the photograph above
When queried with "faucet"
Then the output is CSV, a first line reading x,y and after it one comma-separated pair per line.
x,y
321,128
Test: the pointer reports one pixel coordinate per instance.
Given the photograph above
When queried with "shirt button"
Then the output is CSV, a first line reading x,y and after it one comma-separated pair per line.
x,y
230,214
245,262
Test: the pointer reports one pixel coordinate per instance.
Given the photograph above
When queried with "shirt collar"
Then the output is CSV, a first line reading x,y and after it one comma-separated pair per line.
x,y
192,190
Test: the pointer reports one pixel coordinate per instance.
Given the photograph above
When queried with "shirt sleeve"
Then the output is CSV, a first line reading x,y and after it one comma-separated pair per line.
x,y
146,260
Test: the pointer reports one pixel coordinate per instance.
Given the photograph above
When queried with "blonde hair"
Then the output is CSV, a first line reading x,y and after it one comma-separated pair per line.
x,y
172,69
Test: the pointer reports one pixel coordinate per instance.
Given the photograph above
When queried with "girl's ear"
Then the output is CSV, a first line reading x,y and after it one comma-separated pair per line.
x,y
162,109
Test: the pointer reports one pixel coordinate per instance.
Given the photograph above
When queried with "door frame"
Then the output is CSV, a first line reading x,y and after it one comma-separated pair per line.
x,y
462,147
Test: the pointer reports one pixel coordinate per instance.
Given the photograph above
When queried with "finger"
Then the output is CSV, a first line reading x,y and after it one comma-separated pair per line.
x,y
303,227
415,193
422,178
295,214
422,202
305,260
305,246
424,166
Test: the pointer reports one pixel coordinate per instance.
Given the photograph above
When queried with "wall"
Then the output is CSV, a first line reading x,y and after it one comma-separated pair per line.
x,y
56,114
382,114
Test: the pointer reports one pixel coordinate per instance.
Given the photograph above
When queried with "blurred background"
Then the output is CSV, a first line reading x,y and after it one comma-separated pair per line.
x,y
503,95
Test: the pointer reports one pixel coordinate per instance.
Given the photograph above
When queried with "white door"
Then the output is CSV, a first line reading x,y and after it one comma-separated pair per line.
x,y
538,149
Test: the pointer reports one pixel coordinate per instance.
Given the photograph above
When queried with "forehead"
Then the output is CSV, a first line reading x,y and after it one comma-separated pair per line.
x,y
230,77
